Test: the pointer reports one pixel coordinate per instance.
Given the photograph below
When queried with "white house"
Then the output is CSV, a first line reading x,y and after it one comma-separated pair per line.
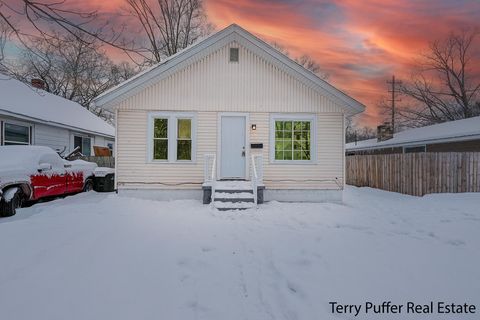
x,y
29,115
230,107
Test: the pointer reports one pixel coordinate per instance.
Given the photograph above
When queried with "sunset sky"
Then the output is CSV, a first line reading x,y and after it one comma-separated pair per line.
x,y
360,44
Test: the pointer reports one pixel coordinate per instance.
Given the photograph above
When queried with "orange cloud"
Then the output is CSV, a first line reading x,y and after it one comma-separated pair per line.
x,y
359,43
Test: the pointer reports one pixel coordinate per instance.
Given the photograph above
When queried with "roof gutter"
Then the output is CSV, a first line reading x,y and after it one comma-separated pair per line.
x,y
419,142
53,123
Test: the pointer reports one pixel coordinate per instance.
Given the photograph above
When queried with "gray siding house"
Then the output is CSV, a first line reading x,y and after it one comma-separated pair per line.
x,y
31,116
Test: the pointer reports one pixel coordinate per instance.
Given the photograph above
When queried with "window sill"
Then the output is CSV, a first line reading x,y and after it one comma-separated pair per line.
x,y
172,162
294,162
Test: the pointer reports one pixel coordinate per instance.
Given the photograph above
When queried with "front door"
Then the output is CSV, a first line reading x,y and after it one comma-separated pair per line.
x,y
232,147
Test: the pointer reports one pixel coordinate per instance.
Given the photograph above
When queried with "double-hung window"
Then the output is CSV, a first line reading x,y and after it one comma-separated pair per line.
x,y
292,138
172,137
15,134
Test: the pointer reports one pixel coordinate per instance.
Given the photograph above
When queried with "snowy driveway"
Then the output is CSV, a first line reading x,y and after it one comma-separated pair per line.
x,y
97,256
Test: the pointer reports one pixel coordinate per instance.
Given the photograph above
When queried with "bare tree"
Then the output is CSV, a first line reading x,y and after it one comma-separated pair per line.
x,y
71,66
304,60
310,64
44,15
5,32
169,25
445,87
40,17
354,133
384,107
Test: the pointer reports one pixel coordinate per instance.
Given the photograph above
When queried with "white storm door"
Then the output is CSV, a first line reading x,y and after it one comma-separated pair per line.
x,y
233,147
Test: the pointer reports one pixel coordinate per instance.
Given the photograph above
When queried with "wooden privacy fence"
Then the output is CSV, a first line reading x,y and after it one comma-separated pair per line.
x,y
416,173
101,161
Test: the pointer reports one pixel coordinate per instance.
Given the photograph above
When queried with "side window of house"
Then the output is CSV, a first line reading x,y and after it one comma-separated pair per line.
x,y
184,139
85,144
292,140
160,139
172,137
15,134
414,149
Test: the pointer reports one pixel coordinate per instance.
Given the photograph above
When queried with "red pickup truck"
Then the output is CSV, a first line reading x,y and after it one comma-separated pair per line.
x,y
30,173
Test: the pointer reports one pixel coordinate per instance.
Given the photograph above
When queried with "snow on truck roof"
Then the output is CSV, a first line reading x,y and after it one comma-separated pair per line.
x,y
22,156
21,100
458,130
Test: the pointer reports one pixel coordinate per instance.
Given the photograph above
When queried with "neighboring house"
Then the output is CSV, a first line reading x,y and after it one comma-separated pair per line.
x,y
454,136
235,99
31,116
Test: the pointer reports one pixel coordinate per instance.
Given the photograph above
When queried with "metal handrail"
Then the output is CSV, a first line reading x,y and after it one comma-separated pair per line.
x,y
214,178
210,173
254,178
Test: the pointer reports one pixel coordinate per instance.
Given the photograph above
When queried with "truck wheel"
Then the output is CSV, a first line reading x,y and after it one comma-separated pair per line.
x,y
8,209
88,185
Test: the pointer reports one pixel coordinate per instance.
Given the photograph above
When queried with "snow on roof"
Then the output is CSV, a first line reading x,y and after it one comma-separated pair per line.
x,y
19,99
452,130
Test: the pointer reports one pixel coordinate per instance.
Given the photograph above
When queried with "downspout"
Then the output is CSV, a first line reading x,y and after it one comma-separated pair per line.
x,y
116,150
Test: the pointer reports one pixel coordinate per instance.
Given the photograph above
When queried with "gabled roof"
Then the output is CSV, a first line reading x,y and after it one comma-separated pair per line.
x,y
23,101
200,49
459,130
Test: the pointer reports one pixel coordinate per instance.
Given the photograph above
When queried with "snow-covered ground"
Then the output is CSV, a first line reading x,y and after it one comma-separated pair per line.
x,y
98,256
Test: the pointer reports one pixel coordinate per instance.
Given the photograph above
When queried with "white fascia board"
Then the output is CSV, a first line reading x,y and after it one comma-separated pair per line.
x,y
52,123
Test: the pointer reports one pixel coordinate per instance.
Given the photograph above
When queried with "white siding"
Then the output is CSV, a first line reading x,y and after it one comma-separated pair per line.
x,y
53,137
213,85
136,172
133,168
99,141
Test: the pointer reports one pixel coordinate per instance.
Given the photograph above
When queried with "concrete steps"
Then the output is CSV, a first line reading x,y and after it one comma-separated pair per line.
x,y
233,195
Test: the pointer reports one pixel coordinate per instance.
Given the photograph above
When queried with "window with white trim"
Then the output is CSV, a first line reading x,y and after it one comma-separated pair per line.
x,y
292,138
15,134
172,137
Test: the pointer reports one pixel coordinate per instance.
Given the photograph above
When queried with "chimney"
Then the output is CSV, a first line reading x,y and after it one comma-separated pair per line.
x,y
384,132
38,83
